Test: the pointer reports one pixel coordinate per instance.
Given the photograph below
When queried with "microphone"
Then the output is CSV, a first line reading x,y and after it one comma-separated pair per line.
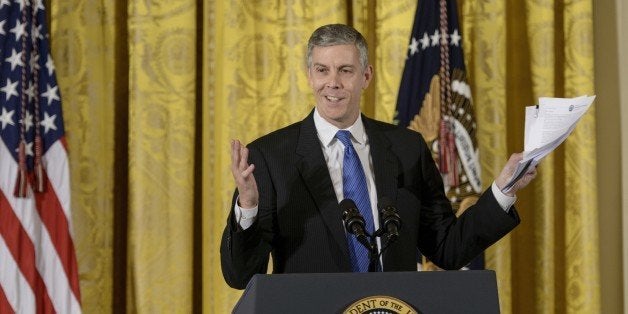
x,y
391,221
354,222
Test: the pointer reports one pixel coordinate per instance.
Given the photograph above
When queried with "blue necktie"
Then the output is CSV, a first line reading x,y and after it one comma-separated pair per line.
x,y
354,188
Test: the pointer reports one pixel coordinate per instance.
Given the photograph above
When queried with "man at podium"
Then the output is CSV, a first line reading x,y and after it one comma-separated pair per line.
x,y
291,181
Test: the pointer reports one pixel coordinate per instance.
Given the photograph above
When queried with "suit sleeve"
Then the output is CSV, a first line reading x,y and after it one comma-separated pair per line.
x,y
450,242
244,253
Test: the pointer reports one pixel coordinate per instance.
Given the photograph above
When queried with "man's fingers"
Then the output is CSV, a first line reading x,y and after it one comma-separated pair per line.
x,y
244,157
239,156
513,160
235,152
248,171
240,167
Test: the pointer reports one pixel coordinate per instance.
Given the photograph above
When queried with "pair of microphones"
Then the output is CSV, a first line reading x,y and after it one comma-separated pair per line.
x,y
354,223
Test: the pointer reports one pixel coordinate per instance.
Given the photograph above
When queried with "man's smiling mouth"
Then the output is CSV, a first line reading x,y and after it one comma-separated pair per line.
x,y
333,99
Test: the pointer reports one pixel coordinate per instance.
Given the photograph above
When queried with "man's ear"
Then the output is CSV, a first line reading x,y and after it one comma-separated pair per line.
x,y
368,76
307,71
309,76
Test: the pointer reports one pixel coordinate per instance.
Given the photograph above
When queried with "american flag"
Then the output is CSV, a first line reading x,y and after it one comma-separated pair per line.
x,y
38,268
435,100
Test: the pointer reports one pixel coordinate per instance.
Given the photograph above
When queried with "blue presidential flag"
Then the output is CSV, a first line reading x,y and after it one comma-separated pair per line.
x,y
435,100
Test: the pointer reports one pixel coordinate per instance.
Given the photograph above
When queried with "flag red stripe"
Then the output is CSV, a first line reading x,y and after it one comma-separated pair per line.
x,y
5,307
38,265
56,223
23,251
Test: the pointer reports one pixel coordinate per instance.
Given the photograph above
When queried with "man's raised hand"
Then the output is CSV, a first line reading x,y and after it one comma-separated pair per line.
x,y
243,175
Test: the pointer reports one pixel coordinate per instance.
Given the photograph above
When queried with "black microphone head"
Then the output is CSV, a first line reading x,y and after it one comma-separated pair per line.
x,y
349,209
348,204
389,216
351,215
354,222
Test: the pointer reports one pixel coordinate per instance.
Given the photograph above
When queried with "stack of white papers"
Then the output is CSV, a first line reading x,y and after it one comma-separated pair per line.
x,y
547,125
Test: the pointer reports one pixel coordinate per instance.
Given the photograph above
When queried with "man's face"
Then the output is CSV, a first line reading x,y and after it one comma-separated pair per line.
x,y
337,80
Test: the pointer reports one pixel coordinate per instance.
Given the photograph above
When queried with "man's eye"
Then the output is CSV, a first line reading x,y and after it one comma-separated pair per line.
x,y
321,70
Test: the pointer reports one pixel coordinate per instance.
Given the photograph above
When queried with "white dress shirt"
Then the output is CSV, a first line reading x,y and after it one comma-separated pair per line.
x,y
334,152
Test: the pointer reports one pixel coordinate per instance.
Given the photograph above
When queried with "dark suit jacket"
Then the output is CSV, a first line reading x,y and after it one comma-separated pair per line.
x,y
299,219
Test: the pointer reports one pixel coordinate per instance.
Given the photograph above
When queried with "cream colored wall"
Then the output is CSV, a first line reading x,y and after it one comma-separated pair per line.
x,y
610,86
622,24
611,108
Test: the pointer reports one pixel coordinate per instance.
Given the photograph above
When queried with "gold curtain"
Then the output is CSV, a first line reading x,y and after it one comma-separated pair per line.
x,y
517,51
83,38
154,90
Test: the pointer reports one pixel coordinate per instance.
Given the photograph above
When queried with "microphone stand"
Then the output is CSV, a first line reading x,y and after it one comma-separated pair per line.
x,y
373,255
370,243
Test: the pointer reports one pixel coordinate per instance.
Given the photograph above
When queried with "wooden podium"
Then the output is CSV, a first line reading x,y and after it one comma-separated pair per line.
x,y
425,292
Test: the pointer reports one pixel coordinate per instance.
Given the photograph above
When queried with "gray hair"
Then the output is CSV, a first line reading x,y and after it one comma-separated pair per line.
x,y
338,34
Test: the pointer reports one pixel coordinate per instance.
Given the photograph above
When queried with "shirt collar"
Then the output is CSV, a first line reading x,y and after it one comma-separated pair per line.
x,y
327,131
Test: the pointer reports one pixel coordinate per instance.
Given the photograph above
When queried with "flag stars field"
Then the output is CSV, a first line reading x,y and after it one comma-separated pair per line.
x,y
39,271
50,65
28,148
34,63
10,89
30,92
434,40
19,30
425,41
455,38
27,121
6,118
52,93
49,122
15,59
414,46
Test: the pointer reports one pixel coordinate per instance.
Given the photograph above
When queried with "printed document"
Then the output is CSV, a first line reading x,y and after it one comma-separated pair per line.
x,y
547,125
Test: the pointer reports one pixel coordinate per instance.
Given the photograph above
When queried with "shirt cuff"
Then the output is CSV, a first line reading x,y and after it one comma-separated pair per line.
x,y
244,217
504,200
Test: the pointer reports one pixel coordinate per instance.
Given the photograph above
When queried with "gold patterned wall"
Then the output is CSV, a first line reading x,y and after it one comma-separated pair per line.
x,y
484,34
153,91
580,194
162,109
517,51
83,43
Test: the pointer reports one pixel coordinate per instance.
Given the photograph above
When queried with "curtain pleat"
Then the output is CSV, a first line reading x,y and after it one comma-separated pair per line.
x,y
162,73
83,49
485,35
582,290
540,18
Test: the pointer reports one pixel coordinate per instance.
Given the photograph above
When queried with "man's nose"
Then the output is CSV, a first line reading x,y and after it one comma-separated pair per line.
x,y
333,81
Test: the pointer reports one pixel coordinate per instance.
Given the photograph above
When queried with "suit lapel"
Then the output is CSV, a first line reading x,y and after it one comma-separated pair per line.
x,y
384,161
385,170
315,174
